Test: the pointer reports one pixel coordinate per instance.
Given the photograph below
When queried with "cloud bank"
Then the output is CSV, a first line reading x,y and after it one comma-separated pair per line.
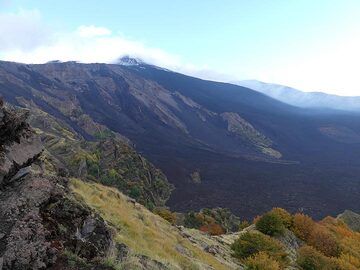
x,y
25,38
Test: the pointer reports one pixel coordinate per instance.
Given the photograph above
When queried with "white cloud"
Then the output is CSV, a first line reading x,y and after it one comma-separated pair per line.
x,y
24,37
93,31
23,30
29,41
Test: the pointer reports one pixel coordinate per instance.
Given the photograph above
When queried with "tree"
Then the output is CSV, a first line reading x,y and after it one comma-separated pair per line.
x,y
250,243
212,229
321,239
286,218
311,259
270,224
166,214
303,226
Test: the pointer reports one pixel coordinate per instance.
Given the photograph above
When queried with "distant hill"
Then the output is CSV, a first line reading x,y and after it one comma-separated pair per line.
x,y
304,99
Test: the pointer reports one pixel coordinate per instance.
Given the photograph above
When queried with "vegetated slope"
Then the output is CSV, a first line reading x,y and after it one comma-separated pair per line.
x,y
144,232
216,142
303,99
108,159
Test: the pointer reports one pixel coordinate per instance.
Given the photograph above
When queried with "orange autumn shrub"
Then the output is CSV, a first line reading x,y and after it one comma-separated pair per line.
x,y
212,229
303,226
348,262
256,219
338,227
261,261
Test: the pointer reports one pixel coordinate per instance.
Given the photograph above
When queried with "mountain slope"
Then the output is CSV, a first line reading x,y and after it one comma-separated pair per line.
x,y
52,222
304,99
215,142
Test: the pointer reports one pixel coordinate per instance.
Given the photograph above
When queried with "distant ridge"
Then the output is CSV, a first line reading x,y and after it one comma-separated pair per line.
x,y
303,99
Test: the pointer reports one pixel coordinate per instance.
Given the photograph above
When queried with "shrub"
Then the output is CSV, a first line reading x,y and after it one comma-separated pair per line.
x,y
286,218
303,226
166,214
244,224
261,261
311,259
324,241
256,219
206,216
135,192
250,243
270,224
348,262
212,229
192,220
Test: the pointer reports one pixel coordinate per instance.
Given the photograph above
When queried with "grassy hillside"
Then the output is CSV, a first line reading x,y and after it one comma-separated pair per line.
x,y
142,231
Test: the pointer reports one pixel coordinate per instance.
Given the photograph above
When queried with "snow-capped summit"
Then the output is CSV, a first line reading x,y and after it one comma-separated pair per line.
x,y
130,61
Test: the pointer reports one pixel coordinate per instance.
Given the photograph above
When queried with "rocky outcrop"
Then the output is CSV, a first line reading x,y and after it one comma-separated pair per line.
x,y
40,223
351,219
240,127
217,246
18,147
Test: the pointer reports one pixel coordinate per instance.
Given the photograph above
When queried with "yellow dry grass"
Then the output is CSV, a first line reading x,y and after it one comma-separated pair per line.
x,y
144,232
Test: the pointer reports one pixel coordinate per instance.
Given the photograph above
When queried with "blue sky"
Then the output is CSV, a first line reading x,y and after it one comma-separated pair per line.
x,y
310,45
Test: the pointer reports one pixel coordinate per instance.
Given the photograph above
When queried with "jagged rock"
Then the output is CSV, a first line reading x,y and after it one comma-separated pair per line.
x,y
123,252
39,220
18,145
291,244
25,244
77,228
212,249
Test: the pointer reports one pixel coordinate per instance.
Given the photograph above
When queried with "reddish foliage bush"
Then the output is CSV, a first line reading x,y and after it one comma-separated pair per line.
x,y
321,239
212,229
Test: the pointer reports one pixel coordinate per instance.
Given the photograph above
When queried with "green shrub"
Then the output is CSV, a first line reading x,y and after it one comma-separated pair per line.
x,y
311,259
250,243
192,220
286,218
135,192
270,224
